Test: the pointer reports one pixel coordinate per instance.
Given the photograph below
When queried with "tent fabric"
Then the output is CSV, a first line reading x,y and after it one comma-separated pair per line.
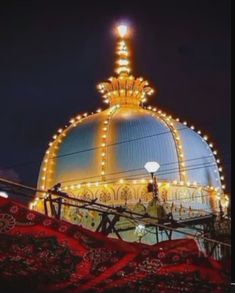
x,y
42,254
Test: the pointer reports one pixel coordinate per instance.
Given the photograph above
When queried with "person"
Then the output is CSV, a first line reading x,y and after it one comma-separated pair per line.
x,y
56,191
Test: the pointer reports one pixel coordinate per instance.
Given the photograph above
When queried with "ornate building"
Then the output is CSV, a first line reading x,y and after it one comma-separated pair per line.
x,y
102,155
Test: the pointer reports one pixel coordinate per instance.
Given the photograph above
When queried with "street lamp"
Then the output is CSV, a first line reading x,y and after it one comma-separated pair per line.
x,y
151,168
140,231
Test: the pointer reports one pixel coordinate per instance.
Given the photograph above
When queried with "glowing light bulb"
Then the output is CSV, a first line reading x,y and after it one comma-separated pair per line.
x,y
3,194
123,62
122,30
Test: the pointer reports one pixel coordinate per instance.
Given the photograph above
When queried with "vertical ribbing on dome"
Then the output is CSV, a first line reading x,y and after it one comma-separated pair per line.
x,y
178,145
104,145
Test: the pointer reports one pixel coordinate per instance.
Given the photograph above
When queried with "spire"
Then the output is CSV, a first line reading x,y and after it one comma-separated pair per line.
x,y
124,89
123,63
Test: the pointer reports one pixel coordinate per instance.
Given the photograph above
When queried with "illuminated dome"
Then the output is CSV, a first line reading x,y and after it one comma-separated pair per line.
x,y
134,136
102,155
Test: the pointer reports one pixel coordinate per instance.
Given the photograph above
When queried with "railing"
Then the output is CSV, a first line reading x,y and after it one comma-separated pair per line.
x,y
218,248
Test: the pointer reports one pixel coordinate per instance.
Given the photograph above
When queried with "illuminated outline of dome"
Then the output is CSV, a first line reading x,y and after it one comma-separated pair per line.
x,y
99,149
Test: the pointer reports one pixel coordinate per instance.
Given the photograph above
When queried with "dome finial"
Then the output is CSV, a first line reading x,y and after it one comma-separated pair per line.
x,y
124,89
122,51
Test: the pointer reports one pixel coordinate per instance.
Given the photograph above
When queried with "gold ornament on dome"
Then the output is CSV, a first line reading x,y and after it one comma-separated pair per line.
x,y
124,89
104,195
87,195
126,193
145,195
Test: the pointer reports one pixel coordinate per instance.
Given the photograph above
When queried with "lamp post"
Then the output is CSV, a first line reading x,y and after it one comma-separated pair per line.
x,y
151,168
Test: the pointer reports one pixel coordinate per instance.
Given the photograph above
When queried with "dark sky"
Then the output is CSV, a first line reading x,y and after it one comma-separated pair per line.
x,y
53,53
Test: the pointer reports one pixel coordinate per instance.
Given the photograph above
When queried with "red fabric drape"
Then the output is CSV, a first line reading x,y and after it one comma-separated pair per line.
x,y
38,253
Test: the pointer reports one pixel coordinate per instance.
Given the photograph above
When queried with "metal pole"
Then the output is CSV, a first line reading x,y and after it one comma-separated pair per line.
x,y
154,192
156,188
157,238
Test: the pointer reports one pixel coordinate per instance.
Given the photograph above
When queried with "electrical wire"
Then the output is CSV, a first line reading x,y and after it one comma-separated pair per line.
x,y
160,173
86,150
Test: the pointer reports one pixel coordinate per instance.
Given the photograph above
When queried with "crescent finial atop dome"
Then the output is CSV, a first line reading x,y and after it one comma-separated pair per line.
x,y
124,89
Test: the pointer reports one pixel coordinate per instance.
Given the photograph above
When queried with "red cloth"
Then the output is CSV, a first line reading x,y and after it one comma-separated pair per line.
x,y
42,254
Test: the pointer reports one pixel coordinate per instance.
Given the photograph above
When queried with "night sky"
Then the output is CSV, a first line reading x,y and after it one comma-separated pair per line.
x,y
53,53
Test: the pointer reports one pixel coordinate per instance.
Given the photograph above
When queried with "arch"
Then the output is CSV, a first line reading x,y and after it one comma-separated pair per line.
x,y
105,194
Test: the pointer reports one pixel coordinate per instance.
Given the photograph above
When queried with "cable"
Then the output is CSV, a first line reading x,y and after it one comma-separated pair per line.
x,y
165,172
138,169
87,150
112,210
